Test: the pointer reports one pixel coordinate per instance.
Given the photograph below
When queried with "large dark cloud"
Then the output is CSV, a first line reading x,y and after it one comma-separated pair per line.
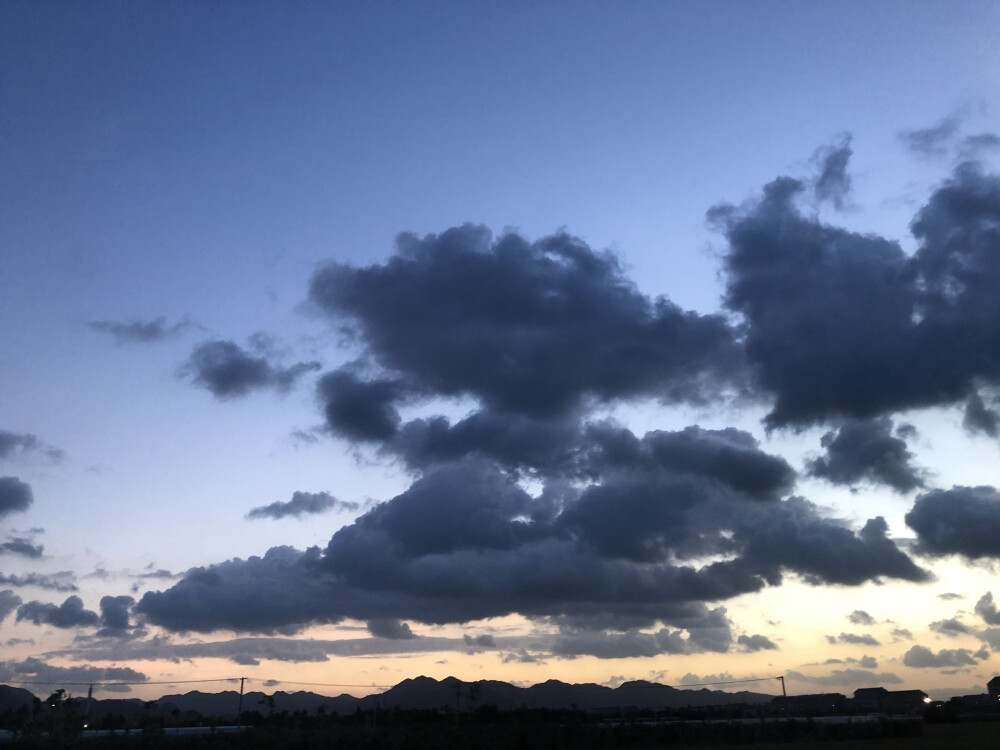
x,y
866,451
138,331
15,496
466,542
228,371
302,504
962,520
532,328
70,614
840,324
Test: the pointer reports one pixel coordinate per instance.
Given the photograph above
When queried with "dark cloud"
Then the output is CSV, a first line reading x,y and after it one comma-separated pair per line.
x,y
833,183
839,324
69,614
387,627
860,617
302,504
485,640
847,678
921,657
962,520
61,581
902,634
140,332
15,496
951,627
360,409
466,542
979,417
228,371
756,643
13,443
528,328
932,141
21,546
9,601
35,670
115,612
855,639
866,451
987,609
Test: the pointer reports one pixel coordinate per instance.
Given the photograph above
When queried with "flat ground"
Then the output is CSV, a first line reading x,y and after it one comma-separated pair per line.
x,y
975,735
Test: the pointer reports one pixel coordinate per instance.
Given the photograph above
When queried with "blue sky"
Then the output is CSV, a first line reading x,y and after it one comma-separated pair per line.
x,y
187,170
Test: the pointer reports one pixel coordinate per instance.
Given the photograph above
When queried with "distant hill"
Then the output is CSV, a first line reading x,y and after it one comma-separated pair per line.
x,y
418,693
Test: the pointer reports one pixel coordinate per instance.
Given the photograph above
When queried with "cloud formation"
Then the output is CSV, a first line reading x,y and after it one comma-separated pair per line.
x,y
865,451
9,601
466,542
987,609
228,371
21,546
846,325
536,329
140,332
921,657
301,504
70,614
963,521
15,443
15,496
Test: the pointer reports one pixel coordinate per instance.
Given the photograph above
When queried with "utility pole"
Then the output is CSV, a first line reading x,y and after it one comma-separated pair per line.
x,y
783,694
239,717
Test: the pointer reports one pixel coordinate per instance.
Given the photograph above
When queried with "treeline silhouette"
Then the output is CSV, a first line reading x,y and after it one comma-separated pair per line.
x,y
59,723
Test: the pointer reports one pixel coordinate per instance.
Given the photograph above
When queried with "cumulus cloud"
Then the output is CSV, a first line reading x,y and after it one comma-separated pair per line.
x,y
115,613
847,325
70,614
21,546
140,332
9,601
921,657
865,451
537,340
302,504
466,542
963,521
387,627
528,328
15,496
756,643
860,617
228,371
987,609
951,627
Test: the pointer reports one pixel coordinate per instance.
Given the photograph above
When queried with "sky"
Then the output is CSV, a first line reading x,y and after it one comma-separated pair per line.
x,y
349,342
